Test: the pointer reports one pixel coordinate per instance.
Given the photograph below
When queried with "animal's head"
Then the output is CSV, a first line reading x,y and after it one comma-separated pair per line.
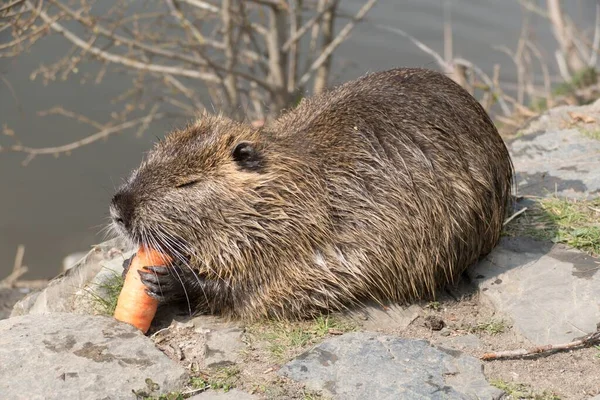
x,y
222,192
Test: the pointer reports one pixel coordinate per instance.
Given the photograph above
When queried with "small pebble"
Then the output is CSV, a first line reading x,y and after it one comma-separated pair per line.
x,y
434,322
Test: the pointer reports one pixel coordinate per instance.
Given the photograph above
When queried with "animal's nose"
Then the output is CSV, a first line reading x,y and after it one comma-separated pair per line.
x,y
122,208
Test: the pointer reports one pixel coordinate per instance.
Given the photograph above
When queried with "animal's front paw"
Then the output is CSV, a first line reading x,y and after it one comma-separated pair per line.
x,y
169,284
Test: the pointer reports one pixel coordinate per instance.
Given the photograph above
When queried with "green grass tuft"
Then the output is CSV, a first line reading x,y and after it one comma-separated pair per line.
x,y
575,223
106,294
491,327
284,336
518,391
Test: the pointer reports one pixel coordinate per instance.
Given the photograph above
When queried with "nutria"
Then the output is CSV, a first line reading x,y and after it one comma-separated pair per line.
x,y
384,188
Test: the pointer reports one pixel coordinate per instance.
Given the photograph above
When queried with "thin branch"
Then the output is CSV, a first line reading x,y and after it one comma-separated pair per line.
x,y
293,54
203,5
18,269
124,60
8,6
545,72
515,215
187,25
277,63
322,74
446,67
31,34
563,36
311,23
12,92
230,55
66,148
489,82
187,92
448,47
70,114
588,340
339,39
279,4
314,36
596,41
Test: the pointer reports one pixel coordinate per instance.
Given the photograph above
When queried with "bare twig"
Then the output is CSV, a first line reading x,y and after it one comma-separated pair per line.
x,y
32,152
545,73
588,340
448,46
73,38
293,55
18,269
322,73
446,67
563,36
488,81
277,62
203,5
596,41
70,114
246,59
339,39
515,215
10,5
323,7
230,54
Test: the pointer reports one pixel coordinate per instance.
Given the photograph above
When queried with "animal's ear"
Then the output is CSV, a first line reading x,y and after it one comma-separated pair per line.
x,y
247,156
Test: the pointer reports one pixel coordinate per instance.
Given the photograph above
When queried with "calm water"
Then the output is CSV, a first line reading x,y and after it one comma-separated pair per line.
x,y
58,206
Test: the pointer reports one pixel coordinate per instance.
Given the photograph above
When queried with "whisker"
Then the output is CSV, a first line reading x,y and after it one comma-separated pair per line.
x,y
160,247
176,254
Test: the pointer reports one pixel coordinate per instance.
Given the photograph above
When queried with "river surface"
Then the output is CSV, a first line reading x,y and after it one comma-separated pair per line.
x,y
57,206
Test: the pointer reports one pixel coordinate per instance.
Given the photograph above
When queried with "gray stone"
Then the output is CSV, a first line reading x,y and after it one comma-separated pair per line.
x,y
365,365
69,291
73,259
373,317
550,292
232,394
69,356
222,339
555,156
223,347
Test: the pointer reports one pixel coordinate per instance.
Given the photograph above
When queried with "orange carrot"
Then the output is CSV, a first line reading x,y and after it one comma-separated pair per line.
x,y
134,305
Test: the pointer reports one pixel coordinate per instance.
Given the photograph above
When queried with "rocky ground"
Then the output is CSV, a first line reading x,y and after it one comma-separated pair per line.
x,y
540,286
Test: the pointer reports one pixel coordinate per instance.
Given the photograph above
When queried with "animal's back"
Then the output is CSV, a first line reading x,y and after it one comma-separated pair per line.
x,y
417,176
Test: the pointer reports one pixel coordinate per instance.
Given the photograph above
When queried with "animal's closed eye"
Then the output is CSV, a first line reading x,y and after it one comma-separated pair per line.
x,y
187,183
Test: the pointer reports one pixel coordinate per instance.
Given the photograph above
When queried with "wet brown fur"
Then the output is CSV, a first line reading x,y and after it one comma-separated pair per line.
x,y
385,188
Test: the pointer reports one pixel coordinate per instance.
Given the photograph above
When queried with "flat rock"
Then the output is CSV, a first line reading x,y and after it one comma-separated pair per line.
x,y
559,155
549,291
69,291
223,347
373,317
69,356
232,394
363,365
